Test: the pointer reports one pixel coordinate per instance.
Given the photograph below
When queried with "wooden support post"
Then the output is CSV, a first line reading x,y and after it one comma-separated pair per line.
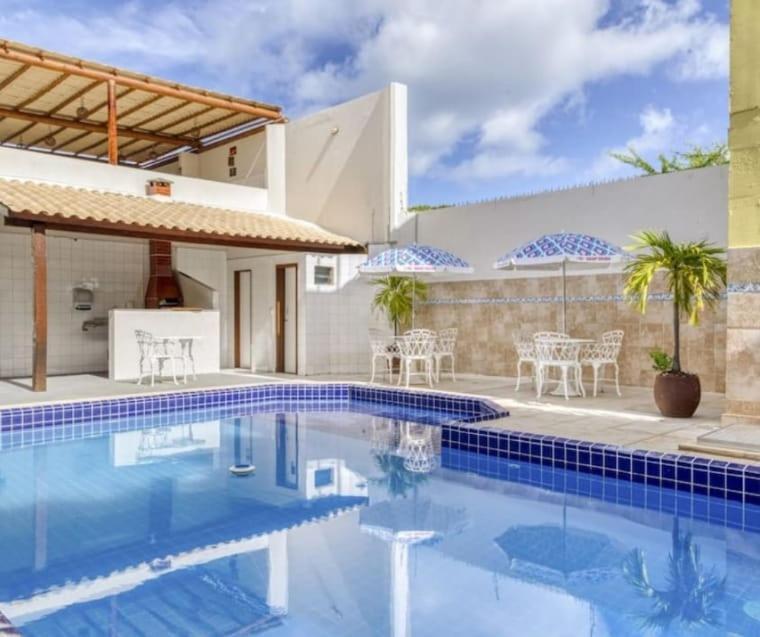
x,y
39,348
113,140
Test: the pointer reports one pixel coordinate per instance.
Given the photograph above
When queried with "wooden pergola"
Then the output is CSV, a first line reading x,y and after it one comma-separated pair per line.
x,y
63,105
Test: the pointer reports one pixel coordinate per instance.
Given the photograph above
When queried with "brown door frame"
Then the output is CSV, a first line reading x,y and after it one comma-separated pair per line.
x,y
237,311
280,270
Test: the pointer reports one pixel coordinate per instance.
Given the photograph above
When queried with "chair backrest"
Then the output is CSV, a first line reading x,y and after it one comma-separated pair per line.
x,y
446,341
420,332
615,336
552,349
524,346
612,342
379,345
417,344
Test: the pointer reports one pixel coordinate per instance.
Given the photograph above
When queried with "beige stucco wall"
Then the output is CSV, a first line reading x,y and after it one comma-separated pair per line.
x,y
743,315
344,169
488,312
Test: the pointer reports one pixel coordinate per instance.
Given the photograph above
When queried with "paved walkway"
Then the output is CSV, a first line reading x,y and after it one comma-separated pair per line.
x,y
630,421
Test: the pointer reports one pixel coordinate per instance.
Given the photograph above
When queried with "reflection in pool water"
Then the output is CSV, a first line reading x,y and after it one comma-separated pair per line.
x,y
353,524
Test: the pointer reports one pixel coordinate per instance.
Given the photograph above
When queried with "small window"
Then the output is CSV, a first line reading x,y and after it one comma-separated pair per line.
x,y
323,478
323,275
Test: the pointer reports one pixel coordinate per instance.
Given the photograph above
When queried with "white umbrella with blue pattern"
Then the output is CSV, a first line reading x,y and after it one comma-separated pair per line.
x,y
415,259
557,251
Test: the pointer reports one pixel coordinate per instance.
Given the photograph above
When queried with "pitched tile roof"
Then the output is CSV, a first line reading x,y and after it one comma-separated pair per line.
x,y
77,207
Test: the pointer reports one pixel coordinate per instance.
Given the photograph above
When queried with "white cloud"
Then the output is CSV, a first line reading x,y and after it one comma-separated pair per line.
x,y
489,71
661,133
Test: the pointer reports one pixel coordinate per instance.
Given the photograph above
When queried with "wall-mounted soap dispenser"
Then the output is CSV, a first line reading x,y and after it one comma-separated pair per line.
x,y
83,295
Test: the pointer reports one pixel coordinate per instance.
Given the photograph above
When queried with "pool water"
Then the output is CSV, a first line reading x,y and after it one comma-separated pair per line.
x,y
353,523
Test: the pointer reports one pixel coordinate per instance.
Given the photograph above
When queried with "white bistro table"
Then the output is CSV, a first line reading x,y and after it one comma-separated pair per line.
x,y
573,388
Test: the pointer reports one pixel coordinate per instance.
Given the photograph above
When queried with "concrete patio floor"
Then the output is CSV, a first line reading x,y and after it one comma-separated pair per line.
x,y
630,421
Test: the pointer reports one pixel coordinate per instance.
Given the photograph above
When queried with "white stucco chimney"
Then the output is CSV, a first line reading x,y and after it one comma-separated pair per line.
x,y
276,168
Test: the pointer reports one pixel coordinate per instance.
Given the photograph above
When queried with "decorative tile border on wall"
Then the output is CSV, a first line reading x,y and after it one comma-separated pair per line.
x,y
744,287
747,287
726,481
284,396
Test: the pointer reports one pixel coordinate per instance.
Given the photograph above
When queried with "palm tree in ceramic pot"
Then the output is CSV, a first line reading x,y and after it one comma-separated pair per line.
x,y
695,275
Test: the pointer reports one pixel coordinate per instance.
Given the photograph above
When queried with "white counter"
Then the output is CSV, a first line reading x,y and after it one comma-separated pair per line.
x,y
124,354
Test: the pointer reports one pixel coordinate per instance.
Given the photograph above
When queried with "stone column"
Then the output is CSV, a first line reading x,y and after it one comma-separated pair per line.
x,y
743,318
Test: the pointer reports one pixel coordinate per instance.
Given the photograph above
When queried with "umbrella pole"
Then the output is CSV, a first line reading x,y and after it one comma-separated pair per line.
x,y
564,297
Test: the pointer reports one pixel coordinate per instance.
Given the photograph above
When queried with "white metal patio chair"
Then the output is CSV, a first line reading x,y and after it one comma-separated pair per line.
x,y
383,349
526,353
445,347
602,353
154,353
416,347
562,354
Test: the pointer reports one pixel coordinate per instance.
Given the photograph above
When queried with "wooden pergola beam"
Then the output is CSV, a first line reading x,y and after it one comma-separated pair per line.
x,y
176,122
40,118
14,76
213,122
58,107
140,84
40,311
73,140
90,111
33,98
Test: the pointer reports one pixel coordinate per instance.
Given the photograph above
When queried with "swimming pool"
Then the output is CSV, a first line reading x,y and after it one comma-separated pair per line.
x,y
358,520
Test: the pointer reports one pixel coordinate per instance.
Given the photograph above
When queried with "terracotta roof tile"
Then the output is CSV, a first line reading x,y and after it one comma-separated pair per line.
x,y
67,203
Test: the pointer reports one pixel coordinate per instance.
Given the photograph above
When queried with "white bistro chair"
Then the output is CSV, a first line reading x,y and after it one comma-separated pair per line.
x,y
154,353
383,349
562,354
445,347
603,353
526,353
416,347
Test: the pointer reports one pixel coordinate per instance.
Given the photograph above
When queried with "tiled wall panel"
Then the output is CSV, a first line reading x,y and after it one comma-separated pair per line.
x,y
118,268
487,314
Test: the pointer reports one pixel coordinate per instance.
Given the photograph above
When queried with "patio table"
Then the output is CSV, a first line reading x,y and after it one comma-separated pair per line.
x,y
559,390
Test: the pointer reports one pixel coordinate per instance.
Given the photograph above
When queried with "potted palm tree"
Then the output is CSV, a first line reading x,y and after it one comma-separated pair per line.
x,y
695,275
396,296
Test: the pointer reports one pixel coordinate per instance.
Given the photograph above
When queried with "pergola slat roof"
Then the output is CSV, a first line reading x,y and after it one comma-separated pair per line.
x,y
59,104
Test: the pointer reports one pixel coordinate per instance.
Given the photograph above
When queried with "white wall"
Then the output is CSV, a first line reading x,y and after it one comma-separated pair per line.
x,y
118,267
66,171
332,319
263,285
209,266
339,163
338,317
689,204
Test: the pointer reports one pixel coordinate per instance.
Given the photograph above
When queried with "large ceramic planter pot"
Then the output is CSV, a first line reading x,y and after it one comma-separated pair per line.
x,y
677,394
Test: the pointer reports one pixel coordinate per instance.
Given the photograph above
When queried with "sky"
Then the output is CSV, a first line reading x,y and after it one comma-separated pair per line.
x,y
506,97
